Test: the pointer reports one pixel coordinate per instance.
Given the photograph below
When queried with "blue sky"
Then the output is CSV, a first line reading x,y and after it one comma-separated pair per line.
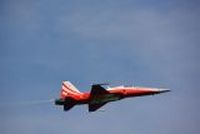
x,y
142,42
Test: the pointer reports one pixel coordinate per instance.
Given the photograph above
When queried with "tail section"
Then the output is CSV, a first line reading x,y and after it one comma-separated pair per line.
x,y
69,103
68,89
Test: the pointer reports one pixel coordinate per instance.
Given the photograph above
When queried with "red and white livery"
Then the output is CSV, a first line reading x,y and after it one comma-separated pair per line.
x,y
99,96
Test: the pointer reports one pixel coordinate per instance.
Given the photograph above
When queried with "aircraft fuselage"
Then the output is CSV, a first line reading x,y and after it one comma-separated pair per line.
x,y
100,96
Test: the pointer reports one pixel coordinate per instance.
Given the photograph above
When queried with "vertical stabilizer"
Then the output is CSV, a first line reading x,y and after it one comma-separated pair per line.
x,y
68,89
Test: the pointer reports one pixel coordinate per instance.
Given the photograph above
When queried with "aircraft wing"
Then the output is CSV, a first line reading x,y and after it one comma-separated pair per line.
x,y
95,97
97,89
94,107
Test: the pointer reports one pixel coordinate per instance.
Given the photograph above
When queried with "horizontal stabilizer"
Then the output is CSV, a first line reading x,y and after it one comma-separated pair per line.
x,y
67,107
69,103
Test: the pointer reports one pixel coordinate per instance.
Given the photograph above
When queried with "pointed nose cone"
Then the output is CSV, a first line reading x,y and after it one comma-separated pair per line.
x,y
163,90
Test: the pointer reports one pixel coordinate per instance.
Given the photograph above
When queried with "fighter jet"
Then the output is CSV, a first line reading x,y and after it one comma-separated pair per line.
x,y
99,96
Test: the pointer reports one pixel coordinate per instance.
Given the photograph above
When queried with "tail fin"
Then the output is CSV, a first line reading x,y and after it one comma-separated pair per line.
x,y
68,89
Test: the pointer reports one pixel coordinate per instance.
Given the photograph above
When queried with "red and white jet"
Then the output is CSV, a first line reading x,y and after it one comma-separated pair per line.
x,y
99,96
